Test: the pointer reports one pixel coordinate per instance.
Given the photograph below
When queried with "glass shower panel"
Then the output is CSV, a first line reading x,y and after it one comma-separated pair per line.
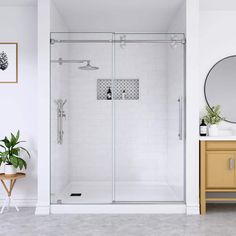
x,y
148,113
81,127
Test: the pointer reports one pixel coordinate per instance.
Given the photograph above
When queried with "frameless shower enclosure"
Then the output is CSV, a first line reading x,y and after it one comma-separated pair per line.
x,y
122,128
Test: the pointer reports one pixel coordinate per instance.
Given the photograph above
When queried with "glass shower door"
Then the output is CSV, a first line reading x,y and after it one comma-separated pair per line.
x,y
129,148
81,128
148,119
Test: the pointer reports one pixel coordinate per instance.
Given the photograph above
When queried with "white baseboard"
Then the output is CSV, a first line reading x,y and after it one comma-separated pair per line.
x,y
22,202
42,210
192,210
119,209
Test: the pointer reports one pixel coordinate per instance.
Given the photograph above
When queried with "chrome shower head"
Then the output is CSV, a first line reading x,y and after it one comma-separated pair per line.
x,y
88,67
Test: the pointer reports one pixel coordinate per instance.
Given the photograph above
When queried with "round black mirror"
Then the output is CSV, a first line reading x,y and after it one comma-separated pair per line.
x,y
220,87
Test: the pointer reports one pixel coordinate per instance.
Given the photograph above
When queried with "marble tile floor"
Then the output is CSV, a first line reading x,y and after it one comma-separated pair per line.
x,y
220,220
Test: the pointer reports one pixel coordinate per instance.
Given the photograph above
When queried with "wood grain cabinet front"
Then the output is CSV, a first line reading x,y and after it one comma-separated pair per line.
x,y
220,169
217,170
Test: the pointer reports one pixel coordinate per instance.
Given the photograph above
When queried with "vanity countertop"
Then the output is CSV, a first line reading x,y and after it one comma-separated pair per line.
x,y
217,138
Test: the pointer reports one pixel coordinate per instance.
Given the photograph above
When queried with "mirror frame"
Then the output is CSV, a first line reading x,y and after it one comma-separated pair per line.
x,y
205,83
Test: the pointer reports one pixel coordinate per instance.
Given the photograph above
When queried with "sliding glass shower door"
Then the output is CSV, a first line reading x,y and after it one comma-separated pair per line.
x,y
81,73
117,118
149,118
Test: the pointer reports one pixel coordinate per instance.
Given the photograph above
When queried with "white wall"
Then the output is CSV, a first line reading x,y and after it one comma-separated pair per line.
x,y
192,107
43,87
19,101
217,40
118,16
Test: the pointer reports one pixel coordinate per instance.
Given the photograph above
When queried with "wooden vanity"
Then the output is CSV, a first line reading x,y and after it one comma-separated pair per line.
x,y
217,169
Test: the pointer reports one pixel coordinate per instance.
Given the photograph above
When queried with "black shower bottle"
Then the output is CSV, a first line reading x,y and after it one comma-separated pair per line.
x,y
109,96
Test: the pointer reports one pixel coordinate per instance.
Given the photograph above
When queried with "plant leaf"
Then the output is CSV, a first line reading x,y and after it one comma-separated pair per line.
x,y
25,151
13,140
7,142
15,151
213,115
20,142
2,146
17,135
14,161
4,154
24,163
21,163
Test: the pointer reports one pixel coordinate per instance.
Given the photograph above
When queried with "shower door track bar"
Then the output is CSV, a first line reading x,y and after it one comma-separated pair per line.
x,y
117,33
53,41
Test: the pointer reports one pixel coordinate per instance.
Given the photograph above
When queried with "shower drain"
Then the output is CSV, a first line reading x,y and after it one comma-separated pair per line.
x,y
75,194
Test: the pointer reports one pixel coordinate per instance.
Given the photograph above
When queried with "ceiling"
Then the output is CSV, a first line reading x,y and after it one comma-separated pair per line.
x,y
18,2
220,5
118,15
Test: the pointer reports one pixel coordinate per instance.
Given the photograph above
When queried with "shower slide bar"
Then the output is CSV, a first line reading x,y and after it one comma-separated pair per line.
x,y
60,115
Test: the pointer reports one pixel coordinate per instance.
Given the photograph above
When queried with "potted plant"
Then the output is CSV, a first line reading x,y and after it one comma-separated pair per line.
x,y
10,154
212,118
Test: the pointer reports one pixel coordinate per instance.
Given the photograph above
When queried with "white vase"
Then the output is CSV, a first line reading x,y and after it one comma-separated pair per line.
x,y
213,130
9,169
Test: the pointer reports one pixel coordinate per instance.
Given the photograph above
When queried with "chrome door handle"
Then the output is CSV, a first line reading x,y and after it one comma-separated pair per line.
x,y
180,101
231,163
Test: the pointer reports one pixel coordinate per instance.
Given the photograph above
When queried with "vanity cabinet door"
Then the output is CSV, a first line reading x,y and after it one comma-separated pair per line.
x,y
220,169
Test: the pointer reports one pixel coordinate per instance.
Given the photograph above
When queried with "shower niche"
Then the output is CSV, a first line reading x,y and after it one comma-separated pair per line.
x,y
130,88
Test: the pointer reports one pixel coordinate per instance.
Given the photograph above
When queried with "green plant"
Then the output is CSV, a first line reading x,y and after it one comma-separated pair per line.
x,y
11,150
213,115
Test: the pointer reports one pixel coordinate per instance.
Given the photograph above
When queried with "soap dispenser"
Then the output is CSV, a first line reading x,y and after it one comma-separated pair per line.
x,y
203,128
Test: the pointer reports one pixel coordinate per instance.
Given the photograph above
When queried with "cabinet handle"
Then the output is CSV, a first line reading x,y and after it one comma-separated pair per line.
x,y
231,163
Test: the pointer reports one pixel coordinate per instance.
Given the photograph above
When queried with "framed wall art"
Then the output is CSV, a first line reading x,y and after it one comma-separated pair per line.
x,y
8,62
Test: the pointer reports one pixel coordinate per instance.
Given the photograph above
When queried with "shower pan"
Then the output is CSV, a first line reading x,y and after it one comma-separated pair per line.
x,y
129,149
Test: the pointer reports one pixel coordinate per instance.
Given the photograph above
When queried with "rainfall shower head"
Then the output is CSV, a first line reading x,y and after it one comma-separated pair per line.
x,y
88,67
61,61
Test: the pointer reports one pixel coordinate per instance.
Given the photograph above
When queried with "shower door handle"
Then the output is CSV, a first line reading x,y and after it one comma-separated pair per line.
x,y
180,101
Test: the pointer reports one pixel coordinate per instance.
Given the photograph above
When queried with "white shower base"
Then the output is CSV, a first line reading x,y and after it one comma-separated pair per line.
x,y
101,193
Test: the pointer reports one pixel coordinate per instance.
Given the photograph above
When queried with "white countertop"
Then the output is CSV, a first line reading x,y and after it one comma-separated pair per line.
x,y
217,138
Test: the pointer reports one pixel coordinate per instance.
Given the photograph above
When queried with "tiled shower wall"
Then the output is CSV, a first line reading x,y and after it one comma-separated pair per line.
x,y
90,120
140,125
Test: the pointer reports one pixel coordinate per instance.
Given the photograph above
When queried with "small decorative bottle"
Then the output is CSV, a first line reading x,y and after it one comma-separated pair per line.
x,y
203,128
109,95
123,95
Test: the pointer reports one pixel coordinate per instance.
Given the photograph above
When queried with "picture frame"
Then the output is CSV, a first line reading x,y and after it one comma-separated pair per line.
x,y
8,62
